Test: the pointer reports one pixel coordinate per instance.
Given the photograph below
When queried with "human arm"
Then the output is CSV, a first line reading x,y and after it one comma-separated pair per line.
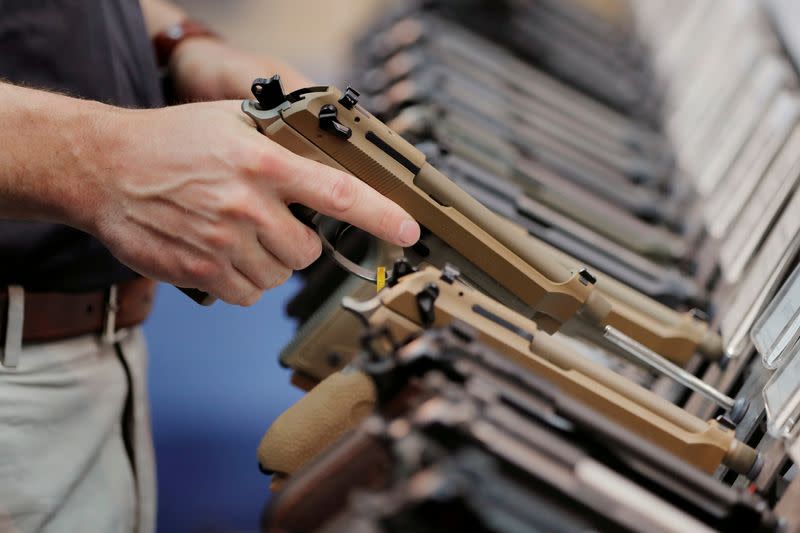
x,y
192,195
204,68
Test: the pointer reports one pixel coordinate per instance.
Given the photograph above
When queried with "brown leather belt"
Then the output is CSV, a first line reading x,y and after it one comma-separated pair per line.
x,y
51,316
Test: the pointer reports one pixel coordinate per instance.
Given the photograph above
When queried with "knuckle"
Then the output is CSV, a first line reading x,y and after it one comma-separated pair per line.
x,y
283,276
262,219
231,199
221,238
240,205
250,298
342,194
261,161
233,298
251,160
266,162
279,276
309,251
201,271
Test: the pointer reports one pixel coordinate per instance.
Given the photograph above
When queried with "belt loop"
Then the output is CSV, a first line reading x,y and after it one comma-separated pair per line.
x,y
110,333
110,323
14,322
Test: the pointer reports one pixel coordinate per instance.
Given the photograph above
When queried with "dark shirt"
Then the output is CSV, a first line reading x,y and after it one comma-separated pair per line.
x,y
98,50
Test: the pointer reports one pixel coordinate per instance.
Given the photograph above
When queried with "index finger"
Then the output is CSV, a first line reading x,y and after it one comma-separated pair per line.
x,y
344,197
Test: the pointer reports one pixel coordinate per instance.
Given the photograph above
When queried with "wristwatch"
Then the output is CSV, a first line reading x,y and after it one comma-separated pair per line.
x,y
169,38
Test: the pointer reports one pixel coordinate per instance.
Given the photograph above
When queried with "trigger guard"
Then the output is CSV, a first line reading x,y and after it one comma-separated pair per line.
x,y
329,226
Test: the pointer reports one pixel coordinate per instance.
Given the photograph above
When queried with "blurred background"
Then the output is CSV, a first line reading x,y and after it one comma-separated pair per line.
x,y
215,382
314,35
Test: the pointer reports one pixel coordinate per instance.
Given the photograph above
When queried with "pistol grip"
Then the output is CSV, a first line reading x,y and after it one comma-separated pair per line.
x,y
203,298
329,410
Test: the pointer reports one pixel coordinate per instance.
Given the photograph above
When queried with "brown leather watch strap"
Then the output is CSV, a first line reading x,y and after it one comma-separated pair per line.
x,y
168,39
51,316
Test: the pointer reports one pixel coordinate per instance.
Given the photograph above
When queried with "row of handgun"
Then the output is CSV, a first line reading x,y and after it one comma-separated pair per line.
x,y
644,159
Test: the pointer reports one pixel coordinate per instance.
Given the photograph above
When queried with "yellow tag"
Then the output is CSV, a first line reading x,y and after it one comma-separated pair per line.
x,y
380,279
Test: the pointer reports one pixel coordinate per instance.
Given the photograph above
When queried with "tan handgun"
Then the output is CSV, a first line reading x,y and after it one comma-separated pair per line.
x,y
325,125
432,298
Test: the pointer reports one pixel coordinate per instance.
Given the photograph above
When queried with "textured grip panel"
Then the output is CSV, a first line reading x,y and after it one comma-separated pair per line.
x,y
316,421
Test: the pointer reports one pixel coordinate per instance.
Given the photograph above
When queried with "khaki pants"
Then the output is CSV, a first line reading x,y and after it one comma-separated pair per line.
x,y
76,451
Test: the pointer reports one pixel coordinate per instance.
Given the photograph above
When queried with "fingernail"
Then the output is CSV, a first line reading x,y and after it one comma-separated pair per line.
x,y
409,232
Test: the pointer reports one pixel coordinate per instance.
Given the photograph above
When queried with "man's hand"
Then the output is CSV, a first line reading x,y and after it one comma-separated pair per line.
x,y
192,195
195,196
204,69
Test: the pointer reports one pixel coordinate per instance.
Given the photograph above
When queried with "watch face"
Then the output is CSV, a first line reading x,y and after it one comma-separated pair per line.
x,y
175,31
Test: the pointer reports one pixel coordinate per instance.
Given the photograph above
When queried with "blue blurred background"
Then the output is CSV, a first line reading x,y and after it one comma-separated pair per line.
x,y
215,382
215,385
